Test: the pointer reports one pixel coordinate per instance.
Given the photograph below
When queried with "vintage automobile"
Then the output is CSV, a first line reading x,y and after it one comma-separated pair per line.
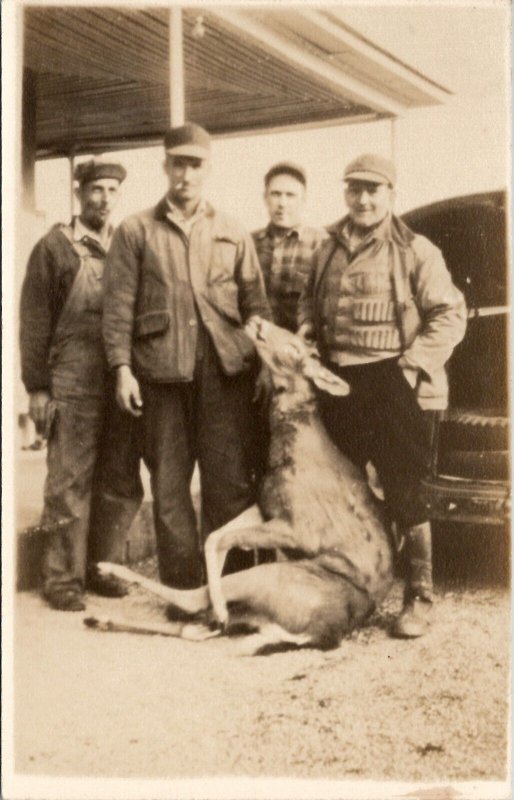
x,y
470,473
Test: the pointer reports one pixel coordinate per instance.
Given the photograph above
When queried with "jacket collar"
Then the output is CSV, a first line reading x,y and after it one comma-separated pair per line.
x,y
391,229
83,234
269,232
162,209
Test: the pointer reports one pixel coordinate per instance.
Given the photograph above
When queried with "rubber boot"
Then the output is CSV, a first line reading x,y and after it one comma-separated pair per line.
x,y
417,601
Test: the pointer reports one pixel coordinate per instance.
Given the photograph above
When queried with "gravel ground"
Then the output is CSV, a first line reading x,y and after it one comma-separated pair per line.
x,y
123,705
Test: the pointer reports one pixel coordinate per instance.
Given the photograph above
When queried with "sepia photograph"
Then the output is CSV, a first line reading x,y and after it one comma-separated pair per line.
x,y
256,400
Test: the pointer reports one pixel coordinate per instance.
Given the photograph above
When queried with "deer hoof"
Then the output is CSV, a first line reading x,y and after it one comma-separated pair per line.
x,y
220,612
198,633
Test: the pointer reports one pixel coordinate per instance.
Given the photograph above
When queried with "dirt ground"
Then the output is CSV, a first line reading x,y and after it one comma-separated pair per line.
x,y
111,704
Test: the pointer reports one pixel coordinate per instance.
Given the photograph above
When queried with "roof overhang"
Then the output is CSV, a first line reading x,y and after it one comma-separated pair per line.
x,y
102,73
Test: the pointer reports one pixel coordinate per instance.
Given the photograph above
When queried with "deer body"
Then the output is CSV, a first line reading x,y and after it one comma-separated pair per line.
x,y
317,509
325,499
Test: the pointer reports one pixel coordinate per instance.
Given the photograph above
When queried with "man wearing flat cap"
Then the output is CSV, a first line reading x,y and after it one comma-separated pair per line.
x,y
91,492
386,316
182,279
285,246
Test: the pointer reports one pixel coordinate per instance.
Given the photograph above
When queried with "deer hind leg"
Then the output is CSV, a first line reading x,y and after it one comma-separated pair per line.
x,y
271,638
274,533
250,614
250,518
295,603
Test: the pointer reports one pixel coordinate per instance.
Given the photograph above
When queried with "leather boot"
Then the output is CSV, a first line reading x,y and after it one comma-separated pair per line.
x,y
417,601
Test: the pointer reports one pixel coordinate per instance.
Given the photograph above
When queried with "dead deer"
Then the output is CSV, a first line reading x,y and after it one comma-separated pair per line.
x,y
315,507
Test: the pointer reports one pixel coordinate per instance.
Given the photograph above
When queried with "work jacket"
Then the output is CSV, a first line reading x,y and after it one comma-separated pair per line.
x,y
430,311
151,309
51,273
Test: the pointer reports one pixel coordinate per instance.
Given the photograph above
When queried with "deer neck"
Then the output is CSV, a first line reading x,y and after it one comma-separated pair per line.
x,y
287,423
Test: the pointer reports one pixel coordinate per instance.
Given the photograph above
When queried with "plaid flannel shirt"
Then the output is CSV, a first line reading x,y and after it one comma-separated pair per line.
x,y
285,260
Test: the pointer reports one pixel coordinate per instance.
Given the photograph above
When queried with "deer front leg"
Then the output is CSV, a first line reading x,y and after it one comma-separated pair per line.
x,y
189,600
274,533
249,518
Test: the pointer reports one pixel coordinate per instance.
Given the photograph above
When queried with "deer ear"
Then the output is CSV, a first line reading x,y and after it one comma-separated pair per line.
x,y
325,380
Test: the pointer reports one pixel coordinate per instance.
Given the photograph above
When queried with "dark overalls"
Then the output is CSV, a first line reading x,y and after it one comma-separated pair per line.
x,y
93,488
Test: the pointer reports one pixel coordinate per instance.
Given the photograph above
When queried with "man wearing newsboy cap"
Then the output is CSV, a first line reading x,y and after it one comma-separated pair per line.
x,y
386,316
88,505
182,279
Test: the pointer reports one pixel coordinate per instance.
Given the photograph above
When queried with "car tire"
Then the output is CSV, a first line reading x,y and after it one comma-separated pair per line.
x,y
477,431
487,465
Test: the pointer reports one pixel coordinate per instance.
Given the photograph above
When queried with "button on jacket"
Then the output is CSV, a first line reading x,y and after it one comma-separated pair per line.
x,y
158,282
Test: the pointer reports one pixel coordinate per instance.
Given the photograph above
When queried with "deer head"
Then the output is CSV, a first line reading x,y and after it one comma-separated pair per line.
x,y
293,363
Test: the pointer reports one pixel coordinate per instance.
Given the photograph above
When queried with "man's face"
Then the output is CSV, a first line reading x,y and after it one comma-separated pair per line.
x,y
97,200
186,177
285,197
368,203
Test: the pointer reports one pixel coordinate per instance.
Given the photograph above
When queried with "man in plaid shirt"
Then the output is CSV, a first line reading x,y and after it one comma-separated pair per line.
x,y
285,246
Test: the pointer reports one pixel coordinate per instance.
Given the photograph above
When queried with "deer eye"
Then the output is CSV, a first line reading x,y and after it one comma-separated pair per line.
x,y
293,353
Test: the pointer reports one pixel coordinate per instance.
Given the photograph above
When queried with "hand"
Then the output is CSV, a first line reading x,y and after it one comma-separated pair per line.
x,y
38,411
253,325
306,331
128,395
263,385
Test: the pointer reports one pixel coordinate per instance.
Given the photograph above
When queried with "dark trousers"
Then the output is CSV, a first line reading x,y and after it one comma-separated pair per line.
x,y
206,420
93,489
380,421
117,486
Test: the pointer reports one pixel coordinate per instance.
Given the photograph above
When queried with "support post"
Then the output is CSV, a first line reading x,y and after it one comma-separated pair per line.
x,y
393,139
71,162
176,67
28,139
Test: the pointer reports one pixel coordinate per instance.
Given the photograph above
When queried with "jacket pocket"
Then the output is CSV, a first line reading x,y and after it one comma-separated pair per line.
x,y
152,323
224,297
52,414
434,388
223,258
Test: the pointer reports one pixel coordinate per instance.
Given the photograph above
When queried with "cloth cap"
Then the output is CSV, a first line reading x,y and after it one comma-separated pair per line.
x,y
96,168
371,167
286,168
188,140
